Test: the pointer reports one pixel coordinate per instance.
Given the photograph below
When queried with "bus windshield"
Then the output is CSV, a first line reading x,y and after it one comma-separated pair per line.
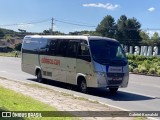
x,y
106,51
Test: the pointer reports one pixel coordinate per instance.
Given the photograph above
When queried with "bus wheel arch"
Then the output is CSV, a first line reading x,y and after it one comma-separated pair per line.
x,y
39,75
82,84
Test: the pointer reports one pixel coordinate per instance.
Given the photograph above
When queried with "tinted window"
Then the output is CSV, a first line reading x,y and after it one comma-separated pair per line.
x,y
31,45
43,46
62,47
52,46
106,52
72,49
84,54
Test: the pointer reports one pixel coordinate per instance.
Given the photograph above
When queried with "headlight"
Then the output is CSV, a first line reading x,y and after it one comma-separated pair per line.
x,y
100,74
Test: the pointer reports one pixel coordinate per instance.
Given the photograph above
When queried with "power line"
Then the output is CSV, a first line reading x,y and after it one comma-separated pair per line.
x,y
77,24
17,24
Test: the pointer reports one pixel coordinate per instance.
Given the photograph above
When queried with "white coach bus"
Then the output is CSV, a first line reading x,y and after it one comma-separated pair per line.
x,y
85,61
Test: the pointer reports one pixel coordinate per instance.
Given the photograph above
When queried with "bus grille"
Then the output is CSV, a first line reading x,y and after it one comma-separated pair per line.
x,y
115,74
114,82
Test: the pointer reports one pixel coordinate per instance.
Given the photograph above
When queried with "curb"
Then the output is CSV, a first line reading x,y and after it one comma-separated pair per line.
x,y
144,74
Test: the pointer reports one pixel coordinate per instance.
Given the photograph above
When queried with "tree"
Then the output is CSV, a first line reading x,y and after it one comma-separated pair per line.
x,y
121,29
155,38
128,31
23,31
107,27
8,38
145,38
46,32
18,46
93,33
144,35
1,34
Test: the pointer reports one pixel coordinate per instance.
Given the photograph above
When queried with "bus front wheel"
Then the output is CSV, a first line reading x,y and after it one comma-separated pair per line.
x,y
39,76
82,86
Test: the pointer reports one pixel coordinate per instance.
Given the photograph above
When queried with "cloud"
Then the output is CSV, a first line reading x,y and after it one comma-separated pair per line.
x,y
107,6
151,9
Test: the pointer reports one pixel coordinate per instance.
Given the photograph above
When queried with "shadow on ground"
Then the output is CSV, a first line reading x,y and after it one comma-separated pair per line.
x,y
103,93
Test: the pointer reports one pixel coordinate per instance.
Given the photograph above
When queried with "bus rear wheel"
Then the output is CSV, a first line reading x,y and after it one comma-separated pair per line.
x,y
113,90
39,77
82,86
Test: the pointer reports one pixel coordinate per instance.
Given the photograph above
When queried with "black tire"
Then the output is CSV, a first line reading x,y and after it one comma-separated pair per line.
x,y
113,90
39,77
82,86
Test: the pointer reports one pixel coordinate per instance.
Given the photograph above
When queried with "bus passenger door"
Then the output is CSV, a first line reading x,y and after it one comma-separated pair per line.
x,y
71,61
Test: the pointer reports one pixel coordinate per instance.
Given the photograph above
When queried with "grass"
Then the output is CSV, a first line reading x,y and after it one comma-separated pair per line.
x,y
12,101
9,54
139,118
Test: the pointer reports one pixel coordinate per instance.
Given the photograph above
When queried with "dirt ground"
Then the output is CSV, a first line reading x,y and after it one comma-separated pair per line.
x,y
61,101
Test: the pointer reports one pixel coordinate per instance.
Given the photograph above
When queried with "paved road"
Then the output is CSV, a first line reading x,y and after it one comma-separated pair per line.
x,y
142,94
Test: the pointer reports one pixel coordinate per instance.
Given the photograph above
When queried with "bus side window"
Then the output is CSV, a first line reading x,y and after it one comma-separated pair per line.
x,y
52,46
43,46
30,46
84,54
72,49
62,47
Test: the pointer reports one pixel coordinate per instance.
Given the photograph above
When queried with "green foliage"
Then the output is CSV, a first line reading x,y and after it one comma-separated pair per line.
x,y
143,64
144,35
107,27
132,63
127,31
158,72
93,33
130,68
136,70
13,101
18,46
2,34
142,69
152,71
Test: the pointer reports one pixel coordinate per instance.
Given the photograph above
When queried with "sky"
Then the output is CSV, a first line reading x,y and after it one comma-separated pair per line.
x,y
36,15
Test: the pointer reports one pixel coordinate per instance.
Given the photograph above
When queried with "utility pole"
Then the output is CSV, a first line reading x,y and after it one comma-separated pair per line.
x,y
52,26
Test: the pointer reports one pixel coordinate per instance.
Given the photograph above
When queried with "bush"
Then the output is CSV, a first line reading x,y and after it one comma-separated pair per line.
x,y
141,58
136,70
130,68
142,69
158,72
132,63
152,71
147,64
143,64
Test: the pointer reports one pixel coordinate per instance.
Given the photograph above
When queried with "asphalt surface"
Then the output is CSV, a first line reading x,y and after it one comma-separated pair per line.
x,y
142,94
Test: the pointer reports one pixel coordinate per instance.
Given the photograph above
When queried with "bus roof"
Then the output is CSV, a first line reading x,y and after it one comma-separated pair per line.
x,y
84,37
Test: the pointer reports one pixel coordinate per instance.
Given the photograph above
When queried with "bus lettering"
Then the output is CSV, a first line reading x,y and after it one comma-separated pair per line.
x,y
50,61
